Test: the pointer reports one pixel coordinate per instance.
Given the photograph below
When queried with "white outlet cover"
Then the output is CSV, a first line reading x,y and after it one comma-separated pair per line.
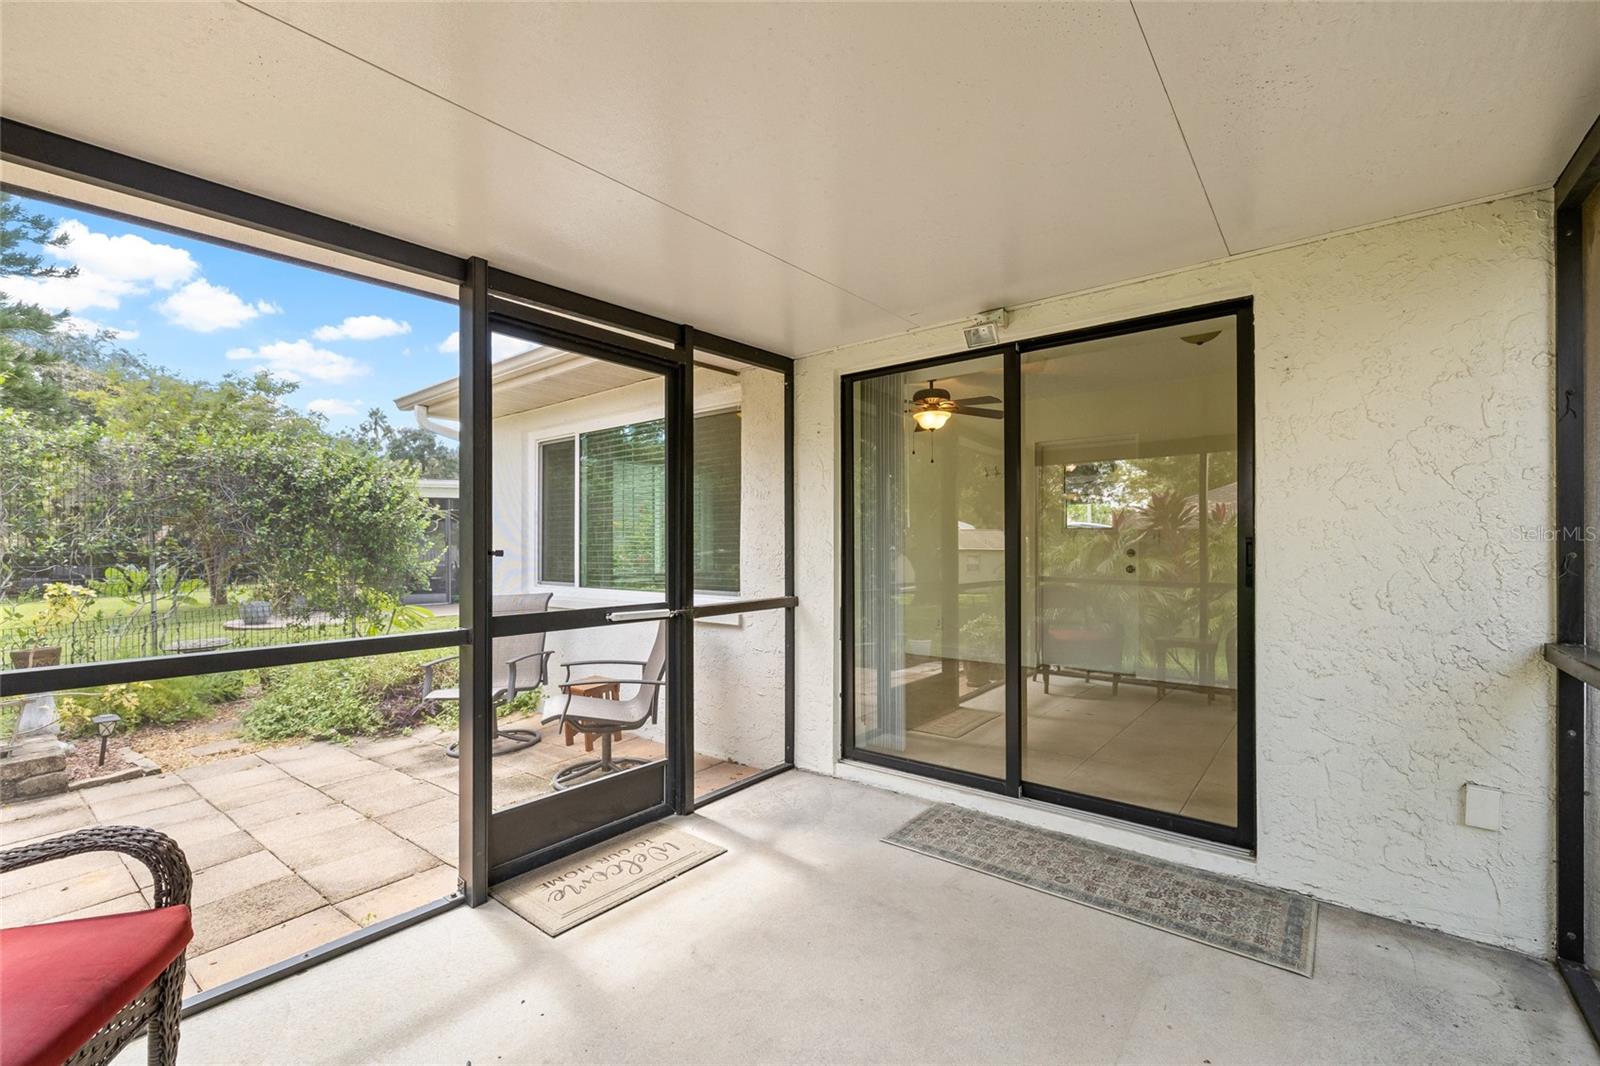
x,y
1480,806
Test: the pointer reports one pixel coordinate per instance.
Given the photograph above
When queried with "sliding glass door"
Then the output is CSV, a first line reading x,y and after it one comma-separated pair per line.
x,y
929,680
1050,597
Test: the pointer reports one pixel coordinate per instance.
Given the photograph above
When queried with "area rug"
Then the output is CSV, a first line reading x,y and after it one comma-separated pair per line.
x,y
569,892
1270,926
956,723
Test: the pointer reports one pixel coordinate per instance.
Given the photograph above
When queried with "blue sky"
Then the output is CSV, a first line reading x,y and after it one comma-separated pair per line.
x,y
202,310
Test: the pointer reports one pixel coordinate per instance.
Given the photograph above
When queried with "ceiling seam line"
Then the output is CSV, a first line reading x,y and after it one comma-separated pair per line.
x,y
578,163
1223,237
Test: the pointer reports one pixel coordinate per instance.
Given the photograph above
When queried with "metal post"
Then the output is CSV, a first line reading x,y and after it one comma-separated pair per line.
x,y
680,576
1011,466
476,735
1569,562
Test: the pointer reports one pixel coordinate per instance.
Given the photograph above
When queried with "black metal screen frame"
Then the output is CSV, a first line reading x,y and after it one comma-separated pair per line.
x,y
570,318
1242,835
1578,668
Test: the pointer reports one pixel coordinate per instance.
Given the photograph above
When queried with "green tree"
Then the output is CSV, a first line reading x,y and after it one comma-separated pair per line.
x,y
27,369
432,454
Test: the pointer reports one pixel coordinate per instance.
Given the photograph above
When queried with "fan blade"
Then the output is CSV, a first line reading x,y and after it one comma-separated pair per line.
x,y
978,399
979,412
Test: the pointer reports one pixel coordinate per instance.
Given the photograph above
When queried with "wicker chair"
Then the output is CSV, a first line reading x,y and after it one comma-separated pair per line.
x,y
79,990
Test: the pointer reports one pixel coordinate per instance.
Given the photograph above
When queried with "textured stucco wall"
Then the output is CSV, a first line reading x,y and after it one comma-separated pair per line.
x,y
1403,377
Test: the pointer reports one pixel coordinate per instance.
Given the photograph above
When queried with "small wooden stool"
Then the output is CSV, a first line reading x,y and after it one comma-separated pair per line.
x,y
600,688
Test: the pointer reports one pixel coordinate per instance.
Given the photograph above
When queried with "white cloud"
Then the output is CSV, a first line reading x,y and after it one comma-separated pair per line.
x,y
301,360
206,308
89,327
500,346
362,328
109,268
331,407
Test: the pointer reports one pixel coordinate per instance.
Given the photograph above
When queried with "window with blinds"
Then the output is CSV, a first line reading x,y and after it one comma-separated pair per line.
x,y
558,515
716,502
622,490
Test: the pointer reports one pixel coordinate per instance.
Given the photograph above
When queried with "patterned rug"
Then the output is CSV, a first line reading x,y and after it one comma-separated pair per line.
x,y
958,723
1268,925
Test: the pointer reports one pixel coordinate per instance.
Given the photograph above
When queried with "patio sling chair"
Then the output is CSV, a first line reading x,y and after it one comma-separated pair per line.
x,y
516,664
77,991
590,714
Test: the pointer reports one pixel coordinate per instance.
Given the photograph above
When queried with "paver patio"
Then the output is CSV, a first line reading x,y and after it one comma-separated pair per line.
x,y
291,847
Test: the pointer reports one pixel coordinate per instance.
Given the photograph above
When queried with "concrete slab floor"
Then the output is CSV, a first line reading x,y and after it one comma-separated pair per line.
x,y
812,941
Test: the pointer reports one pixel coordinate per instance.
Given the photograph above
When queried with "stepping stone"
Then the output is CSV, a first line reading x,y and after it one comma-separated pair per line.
x,y
307,849
351,875
195,774
52,901
268,946
436,882
385,792
299,800
110,807
242,914
55,871
443,811
21,830
236,875
221,787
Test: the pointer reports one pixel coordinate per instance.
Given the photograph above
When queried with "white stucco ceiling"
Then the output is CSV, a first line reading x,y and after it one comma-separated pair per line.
x,y
801,176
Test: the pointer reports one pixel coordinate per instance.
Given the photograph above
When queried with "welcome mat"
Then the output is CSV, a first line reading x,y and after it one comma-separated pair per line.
x,y
570,892
1270,926
957,723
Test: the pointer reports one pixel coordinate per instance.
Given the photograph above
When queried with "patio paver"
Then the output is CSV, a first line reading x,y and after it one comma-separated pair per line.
x,y
290,847
272,944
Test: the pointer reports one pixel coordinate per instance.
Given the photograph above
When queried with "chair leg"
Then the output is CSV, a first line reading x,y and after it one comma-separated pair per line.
x,y
161,1036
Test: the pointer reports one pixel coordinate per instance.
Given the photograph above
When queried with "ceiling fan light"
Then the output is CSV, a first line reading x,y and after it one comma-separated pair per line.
x,y
931,418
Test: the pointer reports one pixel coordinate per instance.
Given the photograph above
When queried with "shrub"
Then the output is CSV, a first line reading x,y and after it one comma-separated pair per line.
x,y
138,703
334,700
222,688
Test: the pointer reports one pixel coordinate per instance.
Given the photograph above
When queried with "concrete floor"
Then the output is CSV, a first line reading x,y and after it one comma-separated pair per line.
x,y
812,941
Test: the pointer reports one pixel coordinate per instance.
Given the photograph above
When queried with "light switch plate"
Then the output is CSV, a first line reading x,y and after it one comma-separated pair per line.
x,y
1480,806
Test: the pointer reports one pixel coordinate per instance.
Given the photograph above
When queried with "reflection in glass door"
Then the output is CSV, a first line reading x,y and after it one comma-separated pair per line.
x,y
1130,622
928,501
1049,596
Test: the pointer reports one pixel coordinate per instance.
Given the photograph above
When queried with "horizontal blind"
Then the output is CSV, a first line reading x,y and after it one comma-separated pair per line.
x,y
556,476
716,502
623,485
623,494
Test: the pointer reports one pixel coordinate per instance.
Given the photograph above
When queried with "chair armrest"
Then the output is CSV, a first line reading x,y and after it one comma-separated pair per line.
x,y
619,681
512,688
169,869
439,661
606,662
532,655
427,671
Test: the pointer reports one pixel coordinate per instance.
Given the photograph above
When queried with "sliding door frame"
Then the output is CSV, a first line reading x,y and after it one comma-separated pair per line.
x,y
1242,835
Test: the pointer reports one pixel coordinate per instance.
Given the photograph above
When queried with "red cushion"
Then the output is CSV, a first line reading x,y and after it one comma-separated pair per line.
x,y
61,981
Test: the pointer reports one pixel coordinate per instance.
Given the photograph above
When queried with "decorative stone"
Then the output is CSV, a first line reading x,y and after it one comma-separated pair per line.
x,y
41,785
35,767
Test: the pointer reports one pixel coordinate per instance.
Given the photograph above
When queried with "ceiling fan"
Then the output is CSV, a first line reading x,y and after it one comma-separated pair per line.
x,y
932,407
